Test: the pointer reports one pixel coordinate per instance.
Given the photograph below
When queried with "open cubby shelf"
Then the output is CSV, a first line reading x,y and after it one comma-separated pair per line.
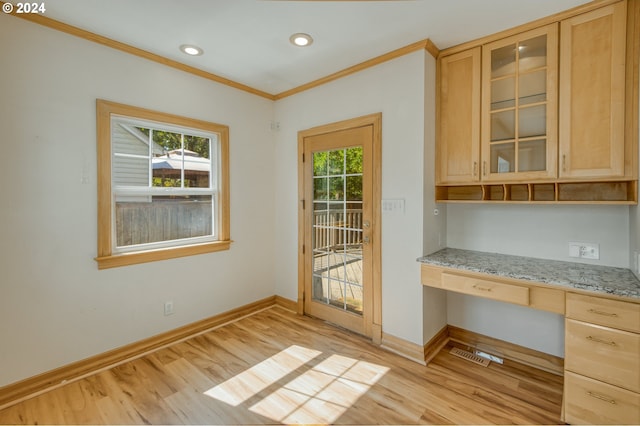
x,y
609,192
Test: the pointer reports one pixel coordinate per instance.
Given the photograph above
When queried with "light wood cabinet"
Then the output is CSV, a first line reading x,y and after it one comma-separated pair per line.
x,y
458,118
519,103
602,361
592,94
556,124
589,401
602,340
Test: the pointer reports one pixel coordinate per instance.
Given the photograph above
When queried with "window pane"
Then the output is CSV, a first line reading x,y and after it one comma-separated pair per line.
x,y
354,188
320,189
130,171
336,188
320,163
354,160
336,162
143,220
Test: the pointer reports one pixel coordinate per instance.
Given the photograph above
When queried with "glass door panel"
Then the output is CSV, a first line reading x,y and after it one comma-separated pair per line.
x,y
532,121
503,61
503,158
337,229
518,136
503,93
532,53
532,87
503,126
532,155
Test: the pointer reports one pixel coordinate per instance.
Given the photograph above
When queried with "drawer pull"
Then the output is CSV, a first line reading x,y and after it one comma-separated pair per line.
x,y
481,288
606,342
601,397
606,314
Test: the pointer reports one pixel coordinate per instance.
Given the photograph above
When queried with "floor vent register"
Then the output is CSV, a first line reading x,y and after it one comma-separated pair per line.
x,y
469,356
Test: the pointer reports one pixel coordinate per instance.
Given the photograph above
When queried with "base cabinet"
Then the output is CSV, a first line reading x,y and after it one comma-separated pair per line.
x,y
602,361
589,401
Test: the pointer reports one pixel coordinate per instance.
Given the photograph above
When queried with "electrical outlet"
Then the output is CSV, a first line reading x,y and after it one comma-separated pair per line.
x,y
584,250
168,308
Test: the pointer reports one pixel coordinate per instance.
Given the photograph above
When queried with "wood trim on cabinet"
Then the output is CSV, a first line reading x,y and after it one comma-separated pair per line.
x,y
632,109
36,385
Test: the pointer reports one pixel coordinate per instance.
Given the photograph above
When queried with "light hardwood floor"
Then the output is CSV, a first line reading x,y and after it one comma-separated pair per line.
x,y
278,367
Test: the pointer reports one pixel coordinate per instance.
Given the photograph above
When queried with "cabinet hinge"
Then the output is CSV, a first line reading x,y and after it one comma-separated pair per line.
x,y
303,249
303,204
303,157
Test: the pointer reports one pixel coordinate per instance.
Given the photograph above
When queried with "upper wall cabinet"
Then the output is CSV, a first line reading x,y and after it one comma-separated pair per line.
x,y
592,91
519,103
539,115
459,117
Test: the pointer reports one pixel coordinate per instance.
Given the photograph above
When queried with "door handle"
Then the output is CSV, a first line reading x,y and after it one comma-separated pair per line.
x,y
366,224
366,239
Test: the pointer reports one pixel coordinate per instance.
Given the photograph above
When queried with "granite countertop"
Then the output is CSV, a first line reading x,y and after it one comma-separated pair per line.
x,y
599,279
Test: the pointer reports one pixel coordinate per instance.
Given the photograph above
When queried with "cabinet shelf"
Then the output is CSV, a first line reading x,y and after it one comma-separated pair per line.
x,y
609,192
524,101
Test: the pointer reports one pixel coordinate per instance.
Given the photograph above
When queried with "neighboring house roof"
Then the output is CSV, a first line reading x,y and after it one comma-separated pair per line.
x,y
172,160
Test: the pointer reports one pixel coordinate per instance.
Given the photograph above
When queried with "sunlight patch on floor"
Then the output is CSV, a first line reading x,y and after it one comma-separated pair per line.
x,y
243,386
321,394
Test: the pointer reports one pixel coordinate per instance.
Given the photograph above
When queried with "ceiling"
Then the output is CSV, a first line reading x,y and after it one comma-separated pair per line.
x,y
247,41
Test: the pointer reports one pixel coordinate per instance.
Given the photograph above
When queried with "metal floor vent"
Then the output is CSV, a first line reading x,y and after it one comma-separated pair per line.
x,y
469,356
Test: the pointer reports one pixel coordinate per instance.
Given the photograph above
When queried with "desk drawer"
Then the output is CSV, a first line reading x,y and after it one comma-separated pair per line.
x,y
602,353
607,312
588,401
485,288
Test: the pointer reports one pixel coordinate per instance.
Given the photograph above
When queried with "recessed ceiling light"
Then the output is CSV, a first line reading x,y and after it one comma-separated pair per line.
x,y
192,50
301,39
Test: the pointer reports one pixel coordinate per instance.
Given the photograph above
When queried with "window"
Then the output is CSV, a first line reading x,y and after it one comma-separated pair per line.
x,y
162,186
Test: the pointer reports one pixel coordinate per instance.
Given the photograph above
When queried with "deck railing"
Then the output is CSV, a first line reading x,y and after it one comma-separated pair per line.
x,y
337,230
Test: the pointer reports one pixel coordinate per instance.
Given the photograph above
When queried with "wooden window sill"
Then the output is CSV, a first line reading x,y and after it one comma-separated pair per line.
x,y
133,258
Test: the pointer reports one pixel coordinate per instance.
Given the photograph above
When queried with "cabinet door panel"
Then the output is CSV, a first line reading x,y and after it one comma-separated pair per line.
x,y
603,353
519,117
458,147
592,82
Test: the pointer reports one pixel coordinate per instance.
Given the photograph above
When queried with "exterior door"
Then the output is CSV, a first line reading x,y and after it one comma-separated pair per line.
x,y
339,226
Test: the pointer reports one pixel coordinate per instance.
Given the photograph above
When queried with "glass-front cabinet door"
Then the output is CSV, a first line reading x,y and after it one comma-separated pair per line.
x,y
519,106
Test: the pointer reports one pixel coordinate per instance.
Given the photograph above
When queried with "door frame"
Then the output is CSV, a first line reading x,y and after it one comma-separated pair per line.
x,y
374,120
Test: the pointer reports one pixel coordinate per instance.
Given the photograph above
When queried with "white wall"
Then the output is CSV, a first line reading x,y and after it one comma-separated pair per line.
x,y
55,306
395,88
434,301
541,231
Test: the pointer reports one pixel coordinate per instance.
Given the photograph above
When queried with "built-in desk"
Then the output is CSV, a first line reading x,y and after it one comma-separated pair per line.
x,y
601,306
